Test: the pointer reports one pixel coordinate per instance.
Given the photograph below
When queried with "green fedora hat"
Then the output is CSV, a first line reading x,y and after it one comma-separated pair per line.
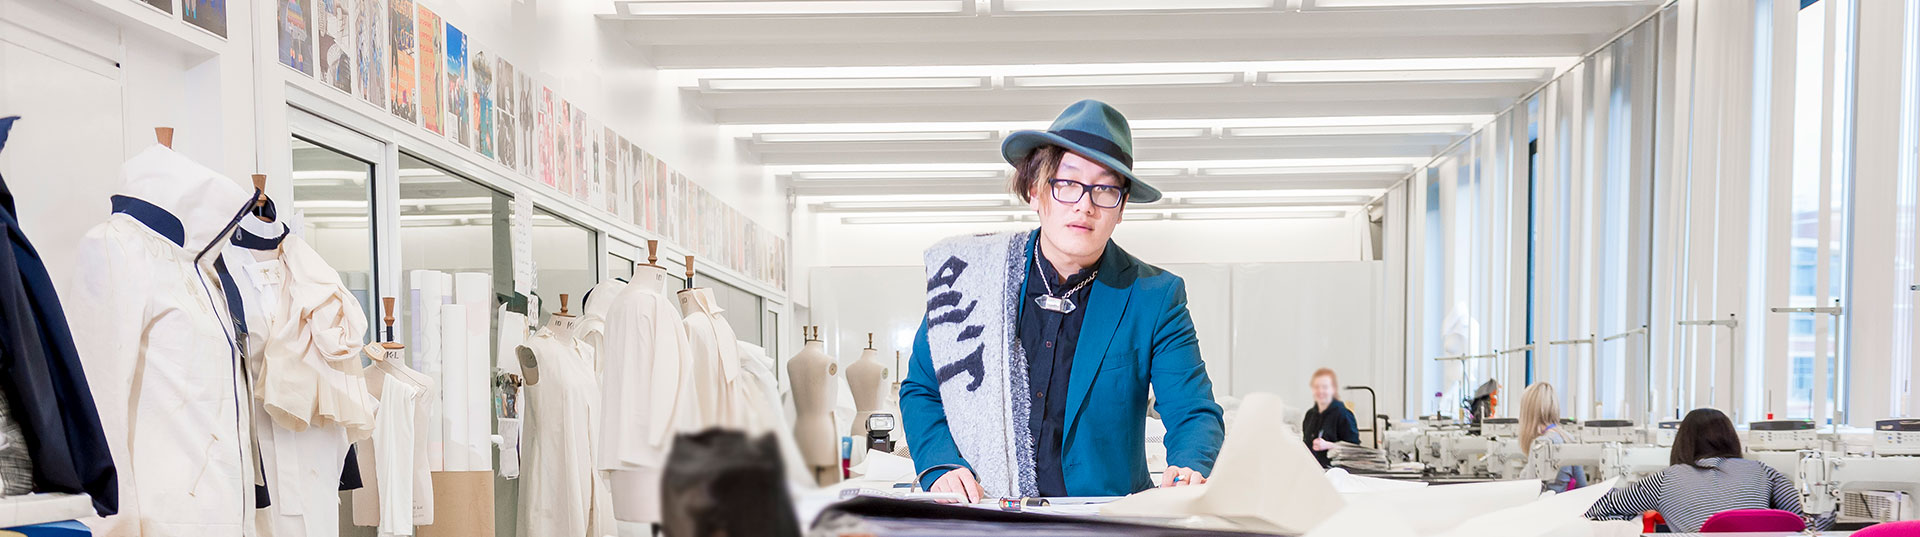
x,y
1091,129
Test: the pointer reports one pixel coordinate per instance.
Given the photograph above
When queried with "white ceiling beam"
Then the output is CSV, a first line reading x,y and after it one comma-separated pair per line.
x,y
1120,97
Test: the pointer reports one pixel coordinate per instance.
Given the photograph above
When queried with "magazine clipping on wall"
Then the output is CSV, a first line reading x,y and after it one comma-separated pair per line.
x,y
563,149
580,163
506,146
596,184
630,205
209,15
370,31
403,50
529,127
431,44
295,20
610,177
481,69
544,117
459,107
333,41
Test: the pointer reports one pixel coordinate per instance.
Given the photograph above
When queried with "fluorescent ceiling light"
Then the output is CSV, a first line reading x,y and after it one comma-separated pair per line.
x,y
1185,132
749,130
683,8
863,83
930,136
693,77
1023,6
914,204
1307,170
1146,79
1277,200
895,174
1461,3
1159,172
1414,75
1346,130
331,204
1256,215
942,219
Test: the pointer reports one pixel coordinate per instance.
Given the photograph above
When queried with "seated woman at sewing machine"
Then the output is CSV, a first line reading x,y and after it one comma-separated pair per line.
x,y
1540,427
1708,476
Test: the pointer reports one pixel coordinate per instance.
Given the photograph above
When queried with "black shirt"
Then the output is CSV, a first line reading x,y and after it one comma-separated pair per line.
x,y
1049,338
1334,425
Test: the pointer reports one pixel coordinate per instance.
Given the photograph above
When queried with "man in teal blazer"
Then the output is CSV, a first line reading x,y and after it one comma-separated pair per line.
x,y
1030,372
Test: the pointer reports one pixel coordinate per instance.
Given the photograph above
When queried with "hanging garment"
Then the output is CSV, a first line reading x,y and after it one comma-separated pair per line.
x,y
646,394
16,468
593,315
767,415
42,376
310,402
396,480
716,355
559,492
162,352
393,464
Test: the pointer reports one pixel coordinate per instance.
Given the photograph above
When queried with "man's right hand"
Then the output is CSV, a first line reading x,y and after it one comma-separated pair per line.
x,y
958,480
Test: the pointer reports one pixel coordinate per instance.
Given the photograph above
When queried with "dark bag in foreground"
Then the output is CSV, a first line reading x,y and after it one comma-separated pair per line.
x,y
720,483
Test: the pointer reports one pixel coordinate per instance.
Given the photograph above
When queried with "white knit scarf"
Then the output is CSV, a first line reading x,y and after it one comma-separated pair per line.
x,y
973,307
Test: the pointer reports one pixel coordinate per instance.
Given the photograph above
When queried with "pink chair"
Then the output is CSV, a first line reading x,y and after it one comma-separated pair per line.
x,y
1909,528
1753,521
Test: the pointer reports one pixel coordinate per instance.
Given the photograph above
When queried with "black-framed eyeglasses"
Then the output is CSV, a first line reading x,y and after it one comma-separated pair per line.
x,y
1069,192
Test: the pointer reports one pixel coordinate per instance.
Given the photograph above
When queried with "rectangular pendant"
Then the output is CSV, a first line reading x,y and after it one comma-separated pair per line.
x,y
1055,304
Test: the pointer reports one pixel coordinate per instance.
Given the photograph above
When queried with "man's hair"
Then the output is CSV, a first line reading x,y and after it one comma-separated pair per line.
x,y
1040,166
1036,168
1704,434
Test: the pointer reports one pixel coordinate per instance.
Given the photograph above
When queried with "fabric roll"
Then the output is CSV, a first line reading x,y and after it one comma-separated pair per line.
x,y
473,292
455,383
396,436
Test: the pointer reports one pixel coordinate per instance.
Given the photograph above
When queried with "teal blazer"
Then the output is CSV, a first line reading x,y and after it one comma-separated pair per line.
x,y
1137,335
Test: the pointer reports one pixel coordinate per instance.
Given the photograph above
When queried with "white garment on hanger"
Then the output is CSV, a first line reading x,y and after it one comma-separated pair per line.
x,y
395,434
716,353
159,351
646,394
593,315
302,468
370,503
559,489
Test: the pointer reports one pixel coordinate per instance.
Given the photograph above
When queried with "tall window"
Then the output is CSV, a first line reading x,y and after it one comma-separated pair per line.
x,y
1816,382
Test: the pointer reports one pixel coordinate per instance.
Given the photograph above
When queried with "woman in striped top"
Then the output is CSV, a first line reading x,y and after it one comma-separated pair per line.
x,y
1708,476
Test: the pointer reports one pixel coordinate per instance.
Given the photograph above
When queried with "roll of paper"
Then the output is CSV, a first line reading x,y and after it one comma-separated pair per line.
x,y
473,291
428,287
455,387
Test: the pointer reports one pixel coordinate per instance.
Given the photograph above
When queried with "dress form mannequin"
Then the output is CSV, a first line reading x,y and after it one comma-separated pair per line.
x,y
646,391
812,373
868,378
561,494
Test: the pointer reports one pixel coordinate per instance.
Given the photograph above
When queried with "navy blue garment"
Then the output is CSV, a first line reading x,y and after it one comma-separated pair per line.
x,y
1050,338
1334,425
42,376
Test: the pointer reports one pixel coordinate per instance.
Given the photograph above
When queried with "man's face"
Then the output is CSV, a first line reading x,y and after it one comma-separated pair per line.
x,y
1080,228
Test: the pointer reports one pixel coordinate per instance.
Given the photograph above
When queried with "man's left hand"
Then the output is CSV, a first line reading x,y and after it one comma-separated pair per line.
x,y
1176,476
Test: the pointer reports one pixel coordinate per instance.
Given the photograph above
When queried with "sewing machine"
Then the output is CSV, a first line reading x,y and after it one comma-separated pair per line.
x,y
1874,489
1782,435
1664,432
1604,431
1896,437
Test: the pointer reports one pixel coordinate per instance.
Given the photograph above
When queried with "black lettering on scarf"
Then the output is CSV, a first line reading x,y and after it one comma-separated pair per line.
x,y
974,364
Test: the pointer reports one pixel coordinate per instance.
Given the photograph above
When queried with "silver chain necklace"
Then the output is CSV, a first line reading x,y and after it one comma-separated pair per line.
x,y
1057,304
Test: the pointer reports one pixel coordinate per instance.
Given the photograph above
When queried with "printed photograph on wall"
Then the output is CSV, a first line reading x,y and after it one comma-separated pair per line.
x,y
610,171
643,190
596,169
401,55
657,208
546,143
563,149
296,29
459,107
428,87
482,72
581,145
370,31
529,144
333,36
162,5
506,151
209,15
629,165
